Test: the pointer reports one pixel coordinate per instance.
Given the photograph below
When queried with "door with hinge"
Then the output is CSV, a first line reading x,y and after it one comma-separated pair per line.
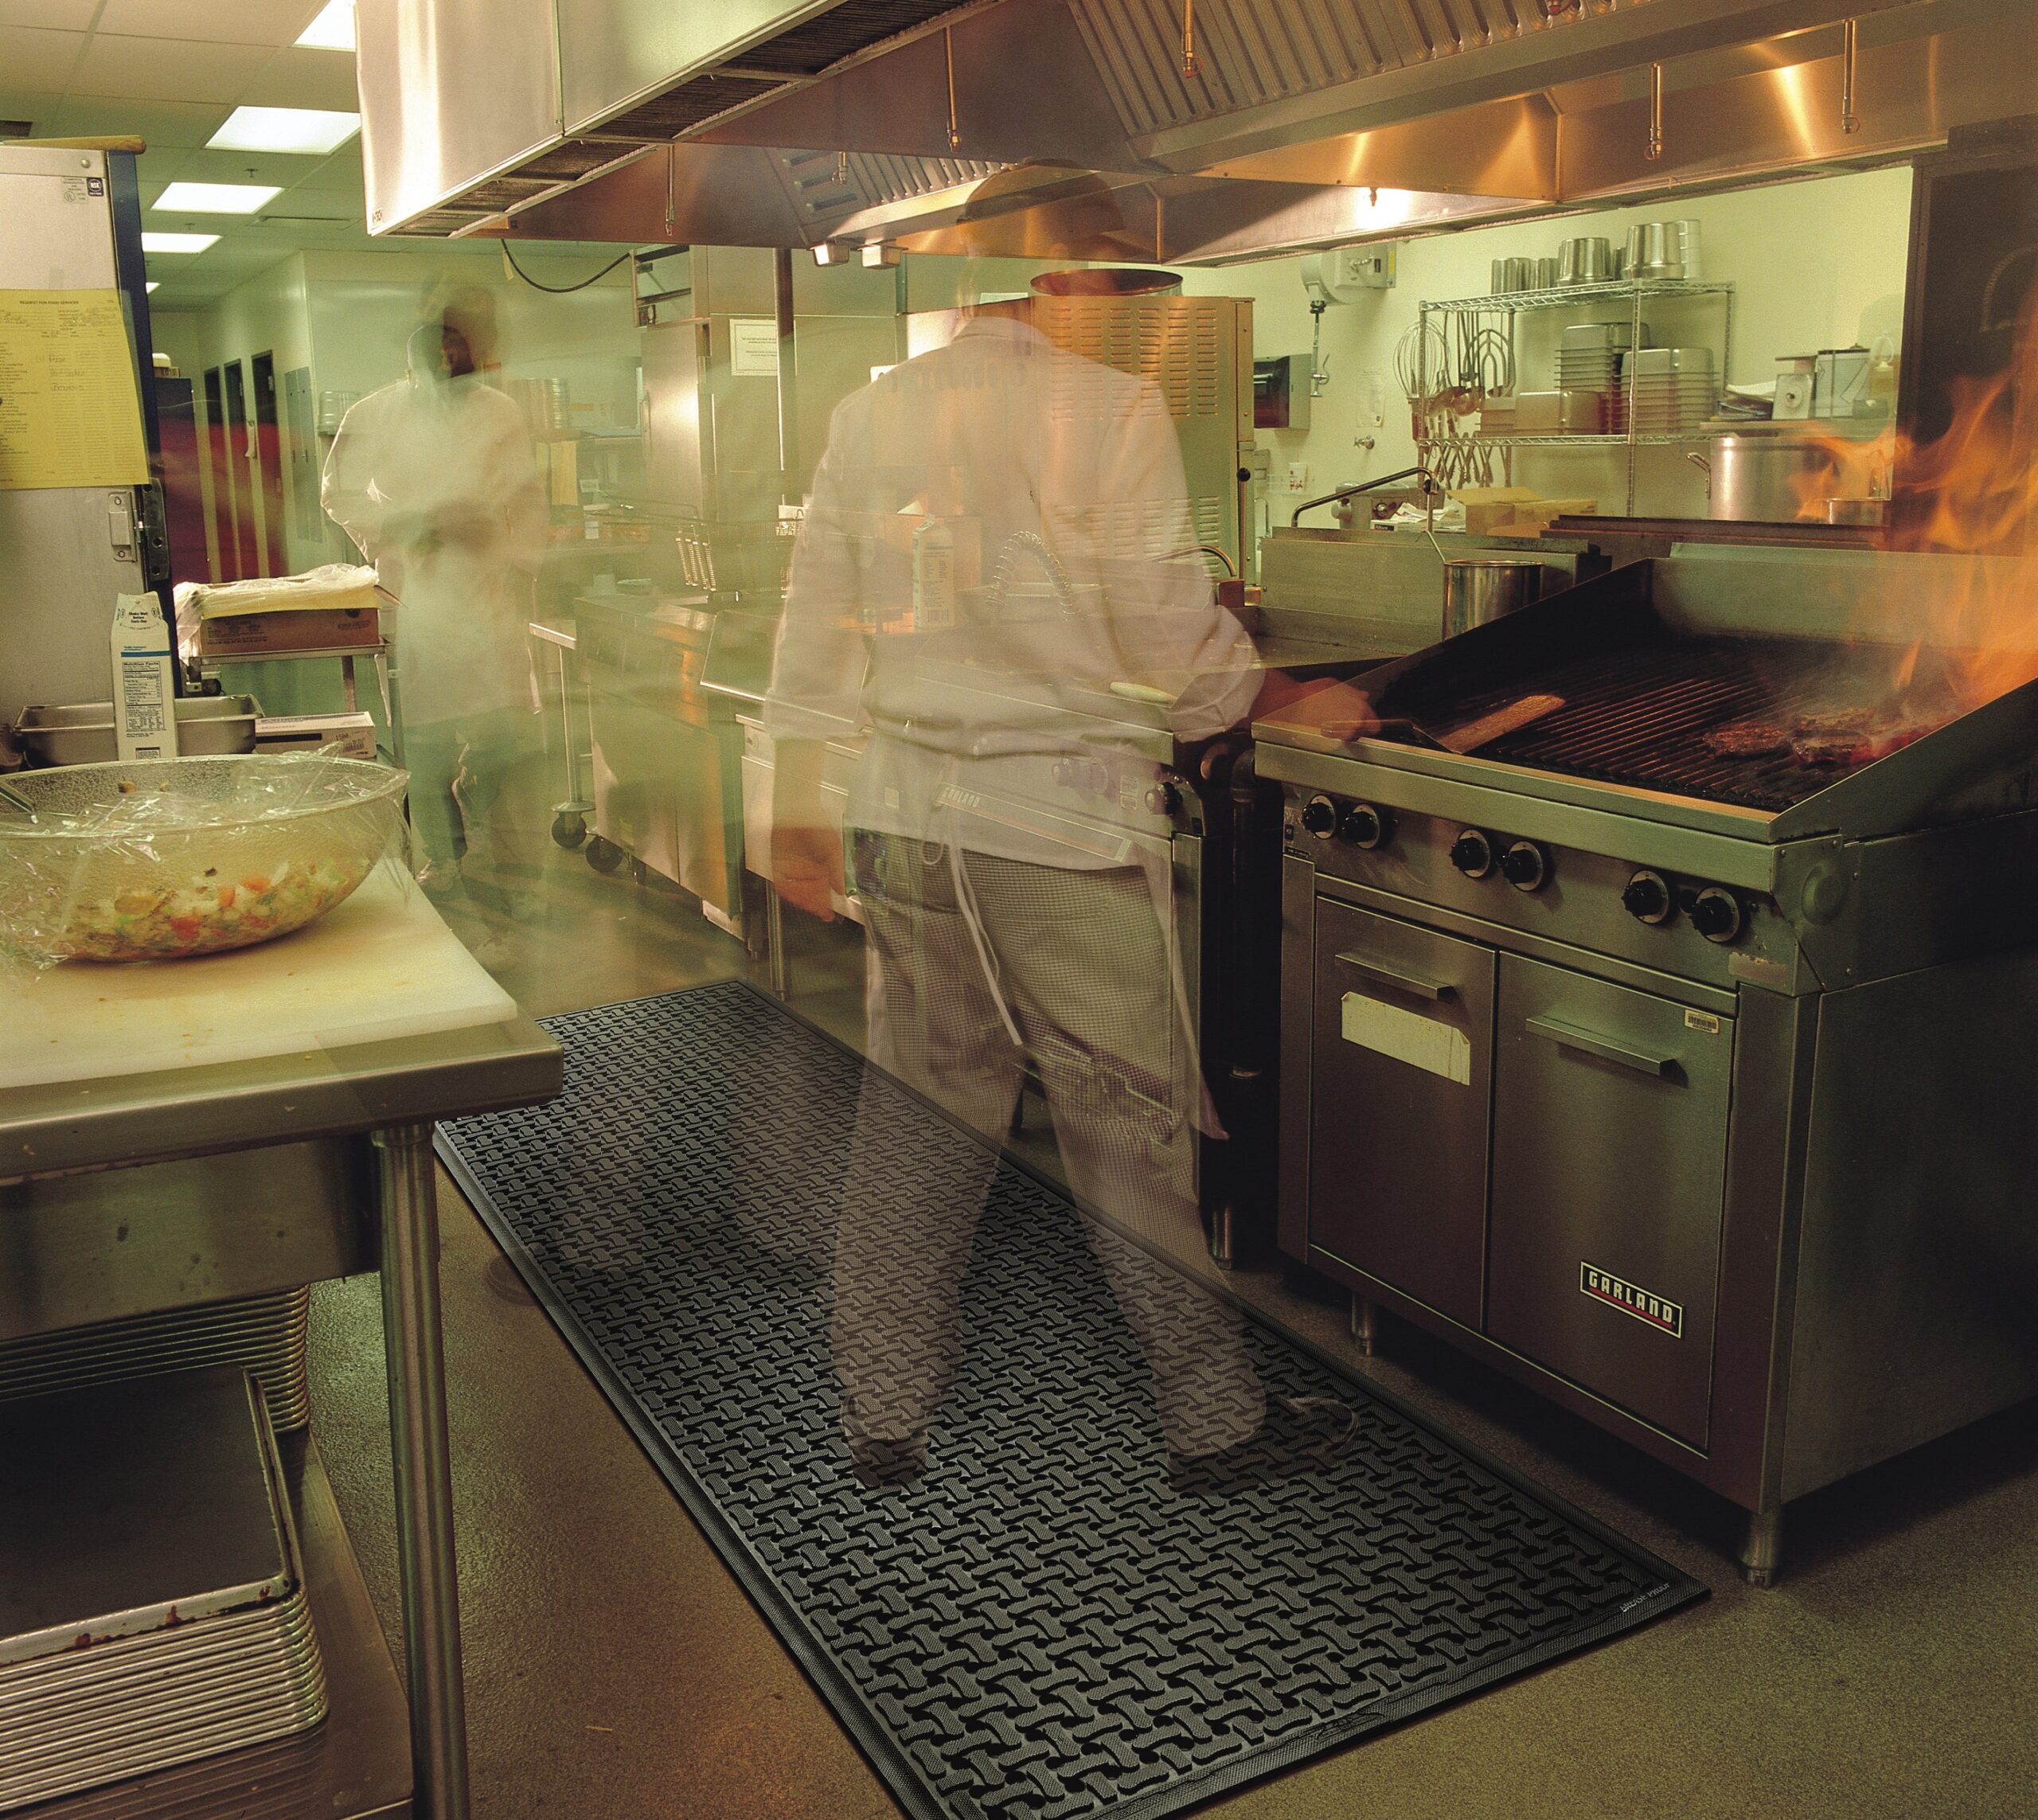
x,y
1609,1153
1398,1105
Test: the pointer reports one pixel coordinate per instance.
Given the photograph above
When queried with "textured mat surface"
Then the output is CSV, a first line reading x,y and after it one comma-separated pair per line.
x,y
1041,1627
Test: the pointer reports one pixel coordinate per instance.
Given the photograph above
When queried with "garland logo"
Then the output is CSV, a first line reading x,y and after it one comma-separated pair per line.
x,y
1603,1286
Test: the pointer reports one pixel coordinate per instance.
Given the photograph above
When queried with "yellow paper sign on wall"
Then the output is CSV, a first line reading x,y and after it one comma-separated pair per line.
x,y
69,415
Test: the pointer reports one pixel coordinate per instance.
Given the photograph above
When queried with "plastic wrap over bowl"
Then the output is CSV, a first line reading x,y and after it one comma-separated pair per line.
x,y
160,859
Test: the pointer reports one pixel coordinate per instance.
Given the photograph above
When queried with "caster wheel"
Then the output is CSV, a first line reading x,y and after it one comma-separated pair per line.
x,y
568,831
604,855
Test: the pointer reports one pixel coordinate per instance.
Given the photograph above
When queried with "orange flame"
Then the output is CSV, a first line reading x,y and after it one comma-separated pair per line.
x,y
1971,491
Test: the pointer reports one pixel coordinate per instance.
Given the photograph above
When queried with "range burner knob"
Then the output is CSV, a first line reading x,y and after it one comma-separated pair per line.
x,y
1320,817
1716,914
1648,898
1524,866
1472,853
1363,825
1164,799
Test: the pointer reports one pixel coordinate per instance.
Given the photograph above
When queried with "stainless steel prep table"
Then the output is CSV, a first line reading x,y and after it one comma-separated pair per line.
x,y
277,1170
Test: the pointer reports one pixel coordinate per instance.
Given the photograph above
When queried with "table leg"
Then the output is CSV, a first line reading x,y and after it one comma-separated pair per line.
x,y
413,1335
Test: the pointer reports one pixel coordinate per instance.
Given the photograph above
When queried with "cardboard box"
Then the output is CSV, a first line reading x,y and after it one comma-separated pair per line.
x,y
351,735
305,629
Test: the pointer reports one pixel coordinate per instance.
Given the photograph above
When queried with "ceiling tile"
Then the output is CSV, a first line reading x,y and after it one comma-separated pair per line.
x,y
185,124
59,15
272,22
307,79
340,172
39,61
206,165
165,68
159,165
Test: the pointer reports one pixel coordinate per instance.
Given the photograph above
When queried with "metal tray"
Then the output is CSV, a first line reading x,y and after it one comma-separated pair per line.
x,y
208,726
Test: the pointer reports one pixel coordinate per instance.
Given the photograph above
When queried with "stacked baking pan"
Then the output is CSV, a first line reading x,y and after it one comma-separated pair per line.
x,y
263,1334
152,1600
1673,390
1589,360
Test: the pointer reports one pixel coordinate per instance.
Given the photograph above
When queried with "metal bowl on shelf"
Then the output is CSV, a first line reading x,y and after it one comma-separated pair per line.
x,y
208,726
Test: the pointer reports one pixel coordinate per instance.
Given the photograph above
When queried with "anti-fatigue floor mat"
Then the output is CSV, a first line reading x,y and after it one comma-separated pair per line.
x,y
1041,1627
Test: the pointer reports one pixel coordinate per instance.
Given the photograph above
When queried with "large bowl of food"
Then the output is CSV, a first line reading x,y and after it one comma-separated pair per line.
x,y
167,857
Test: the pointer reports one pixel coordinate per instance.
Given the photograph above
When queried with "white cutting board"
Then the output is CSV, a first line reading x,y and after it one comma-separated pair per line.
x,y
382,965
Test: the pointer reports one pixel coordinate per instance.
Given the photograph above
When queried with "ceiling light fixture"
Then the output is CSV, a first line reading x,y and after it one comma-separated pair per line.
x,y
154,243
214,198
311,130
332,30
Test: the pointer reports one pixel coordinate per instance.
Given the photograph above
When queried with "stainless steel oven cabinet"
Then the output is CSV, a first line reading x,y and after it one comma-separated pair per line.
x,y
1609,1182
1398,1125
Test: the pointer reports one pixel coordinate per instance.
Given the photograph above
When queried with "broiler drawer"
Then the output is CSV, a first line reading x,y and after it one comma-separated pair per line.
x,y
1610,1151
1398,1116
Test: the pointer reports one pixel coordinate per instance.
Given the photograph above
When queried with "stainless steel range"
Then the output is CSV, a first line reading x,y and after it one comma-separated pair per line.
x,y
1666,1045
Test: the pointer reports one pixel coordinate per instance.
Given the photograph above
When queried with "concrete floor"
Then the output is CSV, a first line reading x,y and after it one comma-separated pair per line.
x,y
615,1669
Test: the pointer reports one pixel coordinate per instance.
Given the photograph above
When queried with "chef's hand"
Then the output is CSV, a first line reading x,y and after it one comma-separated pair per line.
x,y
806,867
1337,710
807,853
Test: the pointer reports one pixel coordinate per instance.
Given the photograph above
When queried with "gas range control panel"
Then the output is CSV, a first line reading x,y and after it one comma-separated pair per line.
x,y
1691,925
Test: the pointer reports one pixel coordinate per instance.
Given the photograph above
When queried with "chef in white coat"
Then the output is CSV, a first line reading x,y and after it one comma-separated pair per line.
x,y
434,479
998,533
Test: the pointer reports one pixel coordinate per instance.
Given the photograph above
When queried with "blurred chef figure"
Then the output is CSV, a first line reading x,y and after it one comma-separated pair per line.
x,y
434,477
998,534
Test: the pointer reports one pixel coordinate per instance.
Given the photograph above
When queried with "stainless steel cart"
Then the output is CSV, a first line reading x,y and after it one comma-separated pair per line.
x,y
133,1193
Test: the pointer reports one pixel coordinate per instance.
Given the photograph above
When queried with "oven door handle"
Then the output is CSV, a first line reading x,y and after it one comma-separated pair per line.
x,y
1570,1037
1395,980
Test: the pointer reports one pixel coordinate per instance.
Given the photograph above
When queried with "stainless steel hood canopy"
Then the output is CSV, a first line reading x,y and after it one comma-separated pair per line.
x,y
1307,123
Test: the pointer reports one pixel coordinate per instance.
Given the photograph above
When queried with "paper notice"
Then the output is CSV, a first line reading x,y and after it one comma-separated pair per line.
x,y
69,413
754,347
1407,1037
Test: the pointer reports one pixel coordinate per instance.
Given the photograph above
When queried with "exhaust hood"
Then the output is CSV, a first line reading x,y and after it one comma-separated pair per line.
x,y
1069,127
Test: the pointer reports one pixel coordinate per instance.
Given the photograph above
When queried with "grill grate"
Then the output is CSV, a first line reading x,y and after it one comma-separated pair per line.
x,y
1637,715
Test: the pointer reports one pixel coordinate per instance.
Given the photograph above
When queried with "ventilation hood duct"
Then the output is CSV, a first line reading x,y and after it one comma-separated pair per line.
x,y
1305,125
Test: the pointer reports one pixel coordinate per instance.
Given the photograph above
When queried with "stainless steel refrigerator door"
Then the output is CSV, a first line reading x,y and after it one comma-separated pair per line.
x,y
1398,1105
61,570
58,583
1610,1152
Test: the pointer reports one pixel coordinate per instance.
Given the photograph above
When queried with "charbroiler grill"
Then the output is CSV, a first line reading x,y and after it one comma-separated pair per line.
x,y
1688,1087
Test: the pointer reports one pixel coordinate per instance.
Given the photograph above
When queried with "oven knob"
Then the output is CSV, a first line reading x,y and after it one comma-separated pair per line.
x,y
1524,866
1716,914
1163,799
1472,853
1320,817
1363,825
1648,898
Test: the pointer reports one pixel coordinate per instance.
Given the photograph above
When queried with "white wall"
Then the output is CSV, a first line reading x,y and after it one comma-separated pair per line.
x,y
1817,264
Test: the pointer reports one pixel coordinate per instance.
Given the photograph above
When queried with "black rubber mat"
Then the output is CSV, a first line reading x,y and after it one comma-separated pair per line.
x,y
1041,1627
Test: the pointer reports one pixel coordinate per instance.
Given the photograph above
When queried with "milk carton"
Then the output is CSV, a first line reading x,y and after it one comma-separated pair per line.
x,y
144,682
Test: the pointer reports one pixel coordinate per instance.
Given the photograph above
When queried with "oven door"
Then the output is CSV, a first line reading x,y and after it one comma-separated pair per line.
x,y
1398,1115
1610,1152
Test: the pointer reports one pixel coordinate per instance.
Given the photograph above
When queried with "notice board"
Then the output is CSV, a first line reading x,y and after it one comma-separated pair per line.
x,y
70,415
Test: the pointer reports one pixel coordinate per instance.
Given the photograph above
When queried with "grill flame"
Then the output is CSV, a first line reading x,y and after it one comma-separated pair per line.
x,y
1971,491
